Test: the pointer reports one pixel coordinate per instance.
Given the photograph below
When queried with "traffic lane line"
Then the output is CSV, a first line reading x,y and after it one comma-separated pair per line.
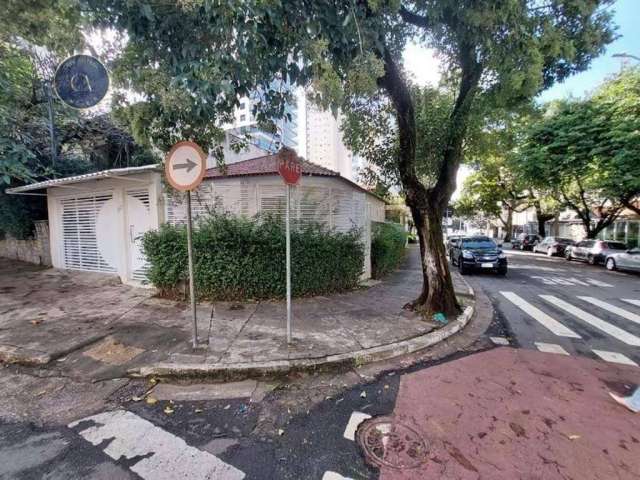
x,y
594,321
334,476
614,357
545,320
551,348
612,308
163,455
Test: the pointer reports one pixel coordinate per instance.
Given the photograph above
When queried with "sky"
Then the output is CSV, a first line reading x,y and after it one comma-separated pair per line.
x,y
423,66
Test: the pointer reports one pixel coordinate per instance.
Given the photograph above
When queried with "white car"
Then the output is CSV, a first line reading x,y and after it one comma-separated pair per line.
x,y
627,260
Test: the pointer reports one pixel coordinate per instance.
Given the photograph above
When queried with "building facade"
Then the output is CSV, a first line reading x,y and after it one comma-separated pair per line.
x,y
324,141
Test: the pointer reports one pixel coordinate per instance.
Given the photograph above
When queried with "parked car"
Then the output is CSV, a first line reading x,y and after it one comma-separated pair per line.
x,y
628,260
478,253
593,251
553,246
525,241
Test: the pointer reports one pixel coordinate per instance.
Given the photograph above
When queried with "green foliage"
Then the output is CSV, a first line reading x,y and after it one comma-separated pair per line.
x,y
387,247
18,213
240,258
586,151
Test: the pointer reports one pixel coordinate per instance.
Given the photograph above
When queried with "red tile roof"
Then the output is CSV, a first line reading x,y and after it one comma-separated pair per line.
x,y
267,165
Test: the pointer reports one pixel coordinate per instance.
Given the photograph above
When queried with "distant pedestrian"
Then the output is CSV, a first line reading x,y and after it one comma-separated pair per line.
x,y
632,402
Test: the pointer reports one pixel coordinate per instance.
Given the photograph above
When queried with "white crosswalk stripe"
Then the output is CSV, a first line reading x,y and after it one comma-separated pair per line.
x,y
545,320
598,283
615,357
594,321
356,419
164,456
612,308
551,348
632,301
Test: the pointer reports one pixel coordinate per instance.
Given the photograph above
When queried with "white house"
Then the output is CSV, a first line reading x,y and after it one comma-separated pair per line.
x,y
95,220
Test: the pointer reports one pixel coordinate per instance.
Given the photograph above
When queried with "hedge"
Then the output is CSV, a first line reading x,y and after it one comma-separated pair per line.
x,y
240,258
387,247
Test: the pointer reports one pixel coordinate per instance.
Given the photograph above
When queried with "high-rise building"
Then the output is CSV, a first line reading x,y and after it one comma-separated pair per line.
x,y
245,129
324,142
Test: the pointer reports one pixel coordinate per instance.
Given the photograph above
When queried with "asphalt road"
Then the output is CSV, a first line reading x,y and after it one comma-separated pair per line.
x,y
543,303
566,307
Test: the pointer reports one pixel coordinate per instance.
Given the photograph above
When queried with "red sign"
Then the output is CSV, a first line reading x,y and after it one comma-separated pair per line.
x,y
289,166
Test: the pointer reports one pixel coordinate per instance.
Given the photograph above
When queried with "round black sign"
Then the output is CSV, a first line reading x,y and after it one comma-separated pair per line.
x,y
81,81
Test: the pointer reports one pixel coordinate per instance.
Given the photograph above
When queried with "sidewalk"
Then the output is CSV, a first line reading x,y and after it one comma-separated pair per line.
x,y
102,329
520,414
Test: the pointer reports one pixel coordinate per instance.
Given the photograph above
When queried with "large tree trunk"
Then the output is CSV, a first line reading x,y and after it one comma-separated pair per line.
x,y
508,225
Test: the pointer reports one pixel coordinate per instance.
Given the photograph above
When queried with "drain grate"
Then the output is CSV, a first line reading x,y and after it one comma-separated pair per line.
x,y
386,441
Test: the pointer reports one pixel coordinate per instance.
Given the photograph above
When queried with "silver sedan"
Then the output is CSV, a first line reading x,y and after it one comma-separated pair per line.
x,y
627,260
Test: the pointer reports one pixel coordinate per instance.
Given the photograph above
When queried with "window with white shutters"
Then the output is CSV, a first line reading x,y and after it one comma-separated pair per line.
x,y
272,199
202,202
80,244
342,218
314,204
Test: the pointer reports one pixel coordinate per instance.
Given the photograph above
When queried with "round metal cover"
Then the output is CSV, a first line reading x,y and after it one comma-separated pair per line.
x,y
81,81
387,442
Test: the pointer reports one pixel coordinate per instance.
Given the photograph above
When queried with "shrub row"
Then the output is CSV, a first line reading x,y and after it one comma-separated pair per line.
x,y
388,242
240,258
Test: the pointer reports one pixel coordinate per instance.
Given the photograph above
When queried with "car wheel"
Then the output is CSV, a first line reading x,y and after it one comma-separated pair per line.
x,y
611,264
567,255
591,259
461,268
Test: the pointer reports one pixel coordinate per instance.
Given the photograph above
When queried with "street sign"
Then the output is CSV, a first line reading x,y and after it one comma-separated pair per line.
x,y
290,169
184,168
185,165
289,166
81,81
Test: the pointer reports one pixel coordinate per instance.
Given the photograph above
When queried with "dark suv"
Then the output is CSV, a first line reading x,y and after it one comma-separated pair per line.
x,y
593,251
481,253
525,241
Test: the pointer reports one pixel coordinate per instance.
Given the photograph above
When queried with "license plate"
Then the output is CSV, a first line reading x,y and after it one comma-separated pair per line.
x,y
486,265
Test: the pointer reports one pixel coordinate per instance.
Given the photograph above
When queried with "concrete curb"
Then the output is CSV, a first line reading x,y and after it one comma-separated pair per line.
x,y
359,357
32,358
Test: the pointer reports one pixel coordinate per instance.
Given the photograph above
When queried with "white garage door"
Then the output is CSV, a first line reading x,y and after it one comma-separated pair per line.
x,y
81,246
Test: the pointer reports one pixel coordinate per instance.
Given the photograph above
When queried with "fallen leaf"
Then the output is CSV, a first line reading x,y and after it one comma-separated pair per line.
x,y
36,322
152,400
136,399
198,410
573,437
227,407
386,387
280,432
168,410
363,394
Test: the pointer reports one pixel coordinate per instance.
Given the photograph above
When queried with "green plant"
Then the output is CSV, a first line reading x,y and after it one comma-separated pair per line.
x,y
240,258
387,247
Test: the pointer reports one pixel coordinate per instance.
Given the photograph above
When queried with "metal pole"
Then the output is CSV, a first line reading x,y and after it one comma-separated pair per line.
x,y
192,290
52,133
288,242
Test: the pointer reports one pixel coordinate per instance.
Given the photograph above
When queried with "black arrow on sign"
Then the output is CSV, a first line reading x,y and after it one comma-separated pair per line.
x,y
190,165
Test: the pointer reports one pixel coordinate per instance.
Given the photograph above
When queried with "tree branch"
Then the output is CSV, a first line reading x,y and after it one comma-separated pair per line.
x,y
414,18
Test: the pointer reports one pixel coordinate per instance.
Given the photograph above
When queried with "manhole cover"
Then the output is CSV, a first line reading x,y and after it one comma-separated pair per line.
x,y
388,442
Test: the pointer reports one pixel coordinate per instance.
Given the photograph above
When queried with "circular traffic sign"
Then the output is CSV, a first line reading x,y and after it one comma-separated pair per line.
x,y
185,165
81,81
289,166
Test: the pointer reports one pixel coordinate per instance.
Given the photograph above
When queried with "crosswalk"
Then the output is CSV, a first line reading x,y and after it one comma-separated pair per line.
x,y
585,312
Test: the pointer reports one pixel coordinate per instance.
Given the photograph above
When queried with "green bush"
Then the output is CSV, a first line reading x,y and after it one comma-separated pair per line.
x,y
387,247
240,258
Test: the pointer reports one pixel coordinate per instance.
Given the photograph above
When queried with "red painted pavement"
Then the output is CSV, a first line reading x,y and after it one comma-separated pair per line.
x,y
521,414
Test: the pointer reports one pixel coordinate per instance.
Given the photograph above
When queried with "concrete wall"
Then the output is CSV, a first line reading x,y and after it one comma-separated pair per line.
x,y
34,250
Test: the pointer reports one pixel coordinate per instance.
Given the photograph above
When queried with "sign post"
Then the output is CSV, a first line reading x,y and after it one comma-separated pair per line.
x,y
185,165
290,169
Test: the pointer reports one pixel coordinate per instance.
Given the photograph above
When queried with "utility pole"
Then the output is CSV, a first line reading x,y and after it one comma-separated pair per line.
x,y
52,131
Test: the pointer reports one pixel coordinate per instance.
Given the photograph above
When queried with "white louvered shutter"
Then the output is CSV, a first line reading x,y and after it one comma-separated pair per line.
x,y
314,205
80,243
272,200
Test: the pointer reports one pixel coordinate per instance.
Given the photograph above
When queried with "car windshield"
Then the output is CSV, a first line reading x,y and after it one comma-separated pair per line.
x,y
478,242
616,245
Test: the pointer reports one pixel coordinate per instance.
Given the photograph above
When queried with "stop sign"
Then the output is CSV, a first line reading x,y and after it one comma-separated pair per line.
x,y
289,166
